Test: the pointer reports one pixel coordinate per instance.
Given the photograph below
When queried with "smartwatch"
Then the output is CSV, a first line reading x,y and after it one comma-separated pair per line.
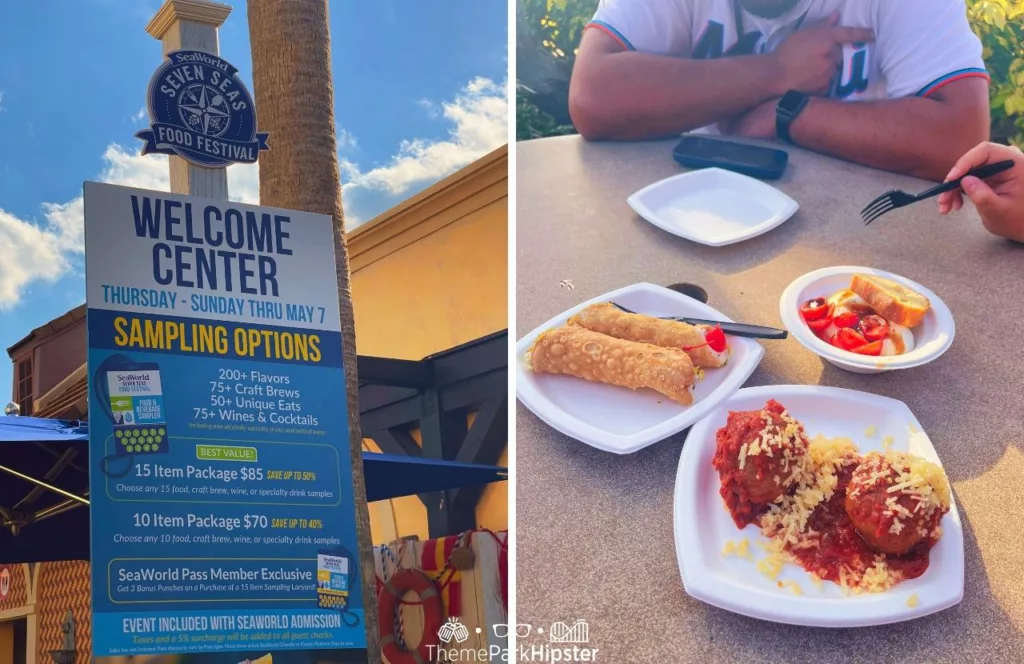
x,y
788,109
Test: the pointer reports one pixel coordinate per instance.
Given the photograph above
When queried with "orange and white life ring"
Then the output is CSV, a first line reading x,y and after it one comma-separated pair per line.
x,y
389,600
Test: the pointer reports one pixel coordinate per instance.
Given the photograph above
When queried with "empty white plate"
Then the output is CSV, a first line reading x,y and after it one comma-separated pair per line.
x,y
703,525
617,419
713,206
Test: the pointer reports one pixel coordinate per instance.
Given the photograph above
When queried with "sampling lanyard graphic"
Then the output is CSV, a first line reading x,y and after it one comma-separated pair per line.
x,y
330,575
117,363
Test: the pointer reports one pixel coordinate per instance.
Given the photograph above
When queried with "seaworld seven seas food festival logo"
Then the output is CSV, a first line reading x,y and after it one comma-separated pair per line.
x,y
201,111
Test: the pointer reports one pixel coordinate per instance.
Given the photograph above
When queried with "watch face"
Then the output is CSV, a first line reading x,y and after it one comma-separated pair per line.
x,y
791,101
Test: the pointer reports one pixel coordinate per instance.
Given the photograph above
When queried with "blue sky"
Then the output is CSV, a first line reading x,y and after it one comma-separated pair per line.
x,y
420,91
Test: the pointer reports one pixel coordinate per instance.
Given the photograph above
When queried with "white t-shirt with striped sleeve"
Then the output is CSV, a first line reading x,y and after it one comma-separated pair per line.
x,y
920,45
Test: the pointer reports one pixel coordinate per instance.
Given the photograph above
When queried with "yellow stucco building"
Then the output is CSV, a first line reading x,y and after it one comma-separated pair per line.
x,y
428,275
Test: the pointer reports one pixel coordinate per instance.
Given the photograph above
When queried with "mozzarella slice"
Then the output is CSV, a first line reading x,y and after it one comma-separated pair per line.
x,y
844,299
901,332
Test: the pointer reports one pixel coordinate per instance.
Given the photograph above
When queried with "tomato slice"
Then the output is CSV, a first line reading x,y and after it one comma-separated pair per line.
x,y
847,319
715,339
815,309
847,338
820,325
874,328
873,348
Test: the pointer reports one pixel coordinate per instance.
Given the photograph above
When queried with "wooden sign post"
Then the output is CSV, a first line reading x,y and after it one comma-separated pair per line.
x,y
192,25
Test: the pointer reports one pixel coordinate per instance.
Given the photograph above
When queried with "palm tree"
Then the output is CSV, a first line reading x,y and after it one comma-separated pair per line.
x,y
291,64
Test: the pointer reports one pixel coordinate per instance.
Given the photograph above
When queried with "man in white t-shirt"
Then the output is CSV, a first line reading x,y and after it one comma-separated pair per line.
x,y
788,69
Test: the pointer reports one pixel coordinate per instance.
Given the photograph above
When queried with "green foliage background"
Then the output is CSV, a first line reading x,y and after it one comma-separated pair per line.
x,y
549,31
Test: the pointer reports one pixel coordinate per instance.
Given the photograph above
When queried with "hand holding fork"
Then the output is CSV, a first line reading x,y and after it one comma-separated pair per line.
x,y
998,199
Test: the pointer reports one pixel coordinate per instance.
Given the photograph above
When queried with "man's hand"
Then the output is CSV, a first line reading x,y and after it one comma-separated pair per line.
x,y
999,199
810,58
759,122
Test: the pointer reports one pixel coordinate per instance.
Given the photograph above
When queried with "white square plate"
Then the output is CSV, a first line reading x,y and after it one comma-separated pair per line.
x,y
616,419
703,525
713,206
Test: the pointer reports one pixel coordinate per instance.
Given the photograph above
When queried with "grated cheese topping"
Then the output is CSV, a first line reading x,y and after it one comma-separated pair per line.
x,y
787,518
877,578
772,565
785,523
811,470
740,549
923,482
785,440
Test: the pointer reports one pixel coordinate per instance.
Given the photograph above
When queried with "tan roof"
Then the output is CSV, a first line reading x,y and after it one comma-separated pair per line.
x,y
49,329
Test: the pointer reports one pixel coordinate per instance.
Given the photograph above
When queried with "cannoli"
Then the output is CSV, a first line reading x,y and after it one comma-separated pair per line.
x,y
706,350
577,351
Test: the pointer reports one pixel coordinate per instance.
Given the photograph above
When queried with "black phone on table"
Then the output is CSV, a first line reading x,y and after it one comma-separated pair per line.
x,y
753,160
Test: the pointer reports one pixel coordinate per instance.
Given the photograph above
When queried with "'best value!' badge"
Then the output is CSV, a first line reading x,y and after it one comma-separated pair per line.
x,y
201,111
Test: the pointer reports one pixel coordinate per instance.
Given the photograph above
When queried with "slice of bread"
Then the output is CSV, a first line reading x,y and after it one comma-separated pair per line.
x,y
892,301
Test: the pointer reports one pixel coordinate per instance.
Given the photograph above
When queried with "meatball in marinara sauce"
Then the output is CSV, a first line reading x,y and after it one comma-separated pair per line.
x,y
759,456
895,501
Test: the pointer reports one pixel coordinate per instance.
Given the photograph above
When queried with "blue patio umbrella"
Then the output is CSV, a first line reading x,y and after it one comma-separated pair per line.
x,y
44,486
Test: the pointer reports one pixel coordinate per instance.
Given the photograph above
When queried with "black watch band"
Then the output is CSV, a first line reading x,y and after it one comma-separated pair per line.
x,y
787,110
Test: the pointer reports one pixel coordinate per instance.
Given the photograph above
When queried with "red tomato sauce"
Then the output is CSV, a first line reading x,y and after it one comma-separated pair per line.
x,y
841,545
742,427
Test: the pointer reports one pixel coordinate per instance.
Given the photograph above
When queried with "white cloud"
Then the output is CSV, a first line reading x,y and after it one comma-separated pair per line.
x,y
2,109
27,253
140,115
349,170
429,107
244,183
346,140
479,118
47,250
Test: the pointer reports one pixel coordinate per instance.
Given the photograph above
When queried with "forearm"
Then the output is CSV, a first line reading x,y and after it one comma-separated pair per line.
x,y
918,136
633,95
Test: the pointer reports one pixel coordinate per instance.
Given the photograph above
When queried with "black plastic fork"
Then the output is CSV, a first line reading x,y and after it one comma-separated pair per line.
x,y
735,329
891,200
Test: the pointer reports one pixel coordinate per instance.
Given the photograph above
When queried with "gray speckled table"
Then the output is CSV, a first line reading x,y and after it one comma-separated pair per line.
x,y
595,537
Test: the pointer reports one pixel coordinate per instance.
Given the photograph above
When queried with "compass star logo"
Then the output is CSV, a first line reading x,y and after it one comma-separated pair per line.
x,y
201,111
202,108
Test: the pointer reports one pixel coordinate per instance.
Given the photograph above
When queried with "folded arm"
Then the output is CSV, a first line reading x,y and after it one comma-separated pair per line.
x,y
619,93
627,95
921,136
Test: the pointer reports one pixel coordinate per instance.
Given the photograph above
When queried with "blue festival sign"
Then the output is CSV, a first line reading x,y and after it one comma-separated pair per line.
x,y
223,514
200,110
